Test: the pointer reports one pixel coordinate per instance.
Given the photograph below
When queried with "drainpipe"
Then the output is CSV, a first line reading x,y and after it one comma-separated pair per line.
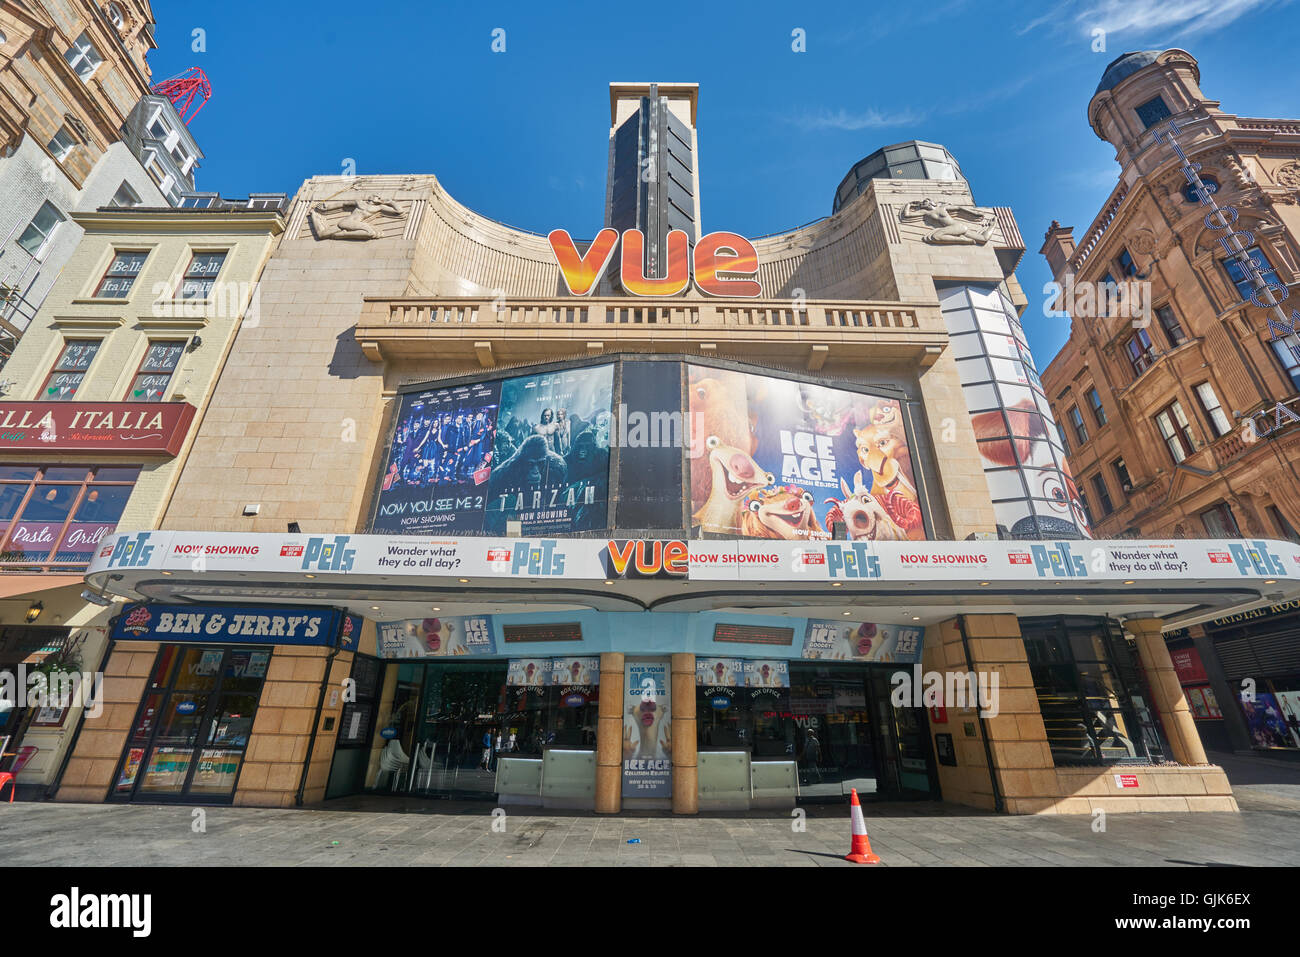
x,y
320,706
53,786
998,804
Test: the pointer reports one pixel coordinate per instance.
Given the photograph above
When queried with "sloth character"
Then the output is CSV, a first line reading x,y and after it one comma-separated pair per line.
x,y
722,675
735,474
828,417
863,514
641,740
882,450
764,677
717,407
785,511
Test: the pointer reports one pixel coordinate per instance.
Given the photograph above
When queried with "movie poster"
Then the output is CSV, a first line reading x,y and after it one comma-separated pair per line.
x,y
550,468
529,672
767,673
772,458
437,637
441,458
861,641
647,731
719,672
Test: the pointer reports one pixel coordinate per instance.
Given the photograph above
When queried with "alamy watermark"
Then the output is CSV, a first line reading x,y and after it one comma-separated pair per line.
x,y
952,689
63,689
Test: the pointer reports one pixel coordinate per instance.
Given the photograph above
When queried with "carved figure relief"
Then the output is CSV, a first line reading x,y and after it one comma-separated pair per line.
x,y
1288,175
362,219
947,227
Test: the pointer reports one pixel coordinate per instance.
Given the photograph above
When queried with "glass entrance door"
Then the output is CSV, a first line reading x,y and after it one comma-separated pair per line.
x,y
193,726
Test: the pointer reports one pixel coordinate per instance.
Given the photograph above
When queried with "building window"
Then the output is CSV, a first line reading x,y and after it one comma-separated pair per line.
x,y
1176,431
58,515
1076,420
1085,679
201,275
125,197
83,57
1121,473
1103,495
1087,509
1126,265
1107,295
69,370
1219,522
1153,111
62,144
1211,187
158,129
1060,431
1282,525
197,202
1170,324
1240,278
115,16
1141,353
1098,412
119,279
155,372
1289,360
1213,411
37,235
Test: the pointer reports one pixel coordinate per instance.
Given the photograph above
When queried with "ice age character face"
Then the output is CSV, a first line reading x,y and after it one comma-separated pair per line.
x,y
646,713
734,471
575,670
782,512
863,516
432,628
719,670
866,635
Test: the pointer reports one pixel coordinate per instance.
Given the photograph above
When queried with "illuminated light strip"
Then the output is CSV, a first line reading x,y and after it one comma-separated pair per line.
x,y
1237,252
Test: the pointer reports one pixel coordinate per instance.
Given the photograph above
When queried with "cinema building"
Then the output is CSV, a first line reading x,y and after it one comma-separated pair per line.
x,y
651,519
1182,423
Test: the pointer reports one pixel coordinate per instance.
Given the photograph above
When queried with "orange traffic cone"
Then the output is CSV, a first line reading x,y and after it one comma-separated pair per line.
x,y
860,853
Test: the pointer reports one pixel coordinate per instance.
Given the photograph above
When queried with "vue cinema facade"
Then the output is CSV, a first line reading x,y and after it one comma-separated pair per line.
x,y
658,550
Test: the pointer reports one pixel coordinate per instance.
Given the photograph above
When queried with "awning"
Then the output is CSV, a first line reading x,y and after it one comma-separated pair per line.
x,y
14,585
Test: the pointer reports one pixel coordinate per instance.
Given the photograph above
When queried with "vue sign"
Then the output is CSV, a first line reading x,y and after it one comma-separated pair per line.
x,y
715,254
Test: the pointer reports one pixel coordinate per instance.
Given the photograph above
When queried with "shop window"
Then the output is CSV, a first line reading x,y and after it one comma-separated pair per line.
x,y
201,275
1219,522
83,57
1176,432
1076,421
1098,411
1241,278
1089,692
193,724
69,370
1121,473
1172,327
55,517
1152,112
36,236
1103,495
1141,353
1282,525
155,372
121,275
1213,411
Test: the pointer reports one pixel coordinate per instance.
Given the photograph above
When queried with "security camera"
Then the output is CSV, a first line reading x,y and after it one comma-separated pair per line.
x,y
95,598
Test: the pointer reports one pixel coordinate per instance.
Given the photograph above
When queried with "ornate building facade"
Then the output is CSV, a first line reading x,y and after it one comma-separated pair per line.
x,y
1179,418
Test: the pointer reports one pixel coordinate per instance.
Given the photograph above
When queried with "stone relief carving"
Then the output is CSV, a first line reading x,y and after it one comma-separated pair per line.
x,y
1143,241
361,220
946,227
1288,175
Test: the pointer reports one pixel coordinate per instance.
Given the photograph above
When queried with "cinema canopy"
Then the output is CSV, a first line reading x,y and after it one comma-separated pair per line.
x,y
654,545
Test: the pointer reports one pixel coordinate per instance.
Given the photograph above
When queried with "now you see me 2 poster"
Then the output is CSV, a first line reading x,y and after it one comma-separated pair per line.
x,y
772,458
472,458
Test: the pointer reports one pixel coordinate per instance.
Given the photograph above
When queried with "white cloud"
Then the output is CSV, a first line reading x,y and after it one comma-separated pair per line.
x,y
868,119
1173,18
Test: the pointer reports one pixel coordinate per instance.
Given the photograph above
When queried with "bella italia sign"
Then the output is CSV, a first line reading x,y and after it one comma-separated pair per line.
x,y
148,428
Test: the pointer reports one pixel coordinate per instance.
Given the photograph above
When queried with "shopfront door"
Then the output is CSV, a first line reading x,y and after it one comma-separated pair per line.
x,y
192,728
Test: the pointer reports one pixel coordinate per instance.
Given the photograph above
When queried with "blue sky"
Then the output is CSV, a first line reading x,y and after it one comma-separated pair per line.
x,y
521,136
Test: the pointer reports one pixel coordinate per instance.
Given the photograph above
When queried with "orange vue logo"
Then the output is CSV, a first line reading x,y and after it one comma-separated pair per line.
x,y
725,264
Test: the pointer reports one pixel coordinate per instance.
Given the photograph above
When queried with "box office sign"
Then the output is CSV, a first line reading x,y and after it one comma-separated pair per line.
x,y
140,428
234,624
647,732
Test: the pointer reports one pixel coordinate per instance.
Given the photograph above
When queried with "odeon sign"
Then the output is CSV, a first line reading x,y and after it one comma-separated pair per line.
x,y
715,254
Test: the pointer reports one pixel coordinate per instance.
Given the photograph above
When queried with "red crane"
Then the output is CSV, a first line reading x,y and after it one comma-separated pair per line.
x,y
183,89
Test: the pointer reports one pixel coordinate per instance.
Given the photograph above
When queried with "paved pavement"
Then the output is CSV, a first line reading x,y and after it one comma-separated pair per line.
x,y
392,832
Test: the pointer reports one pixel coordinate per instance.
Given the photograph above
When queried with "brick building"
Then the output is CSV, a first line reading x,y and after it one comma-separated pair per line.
x,y
1171,417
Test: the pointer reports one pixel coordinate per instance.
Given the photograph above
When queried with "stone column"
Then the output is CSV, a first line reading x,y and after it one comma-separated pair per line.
x,y
1170,702
609,735
686,789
